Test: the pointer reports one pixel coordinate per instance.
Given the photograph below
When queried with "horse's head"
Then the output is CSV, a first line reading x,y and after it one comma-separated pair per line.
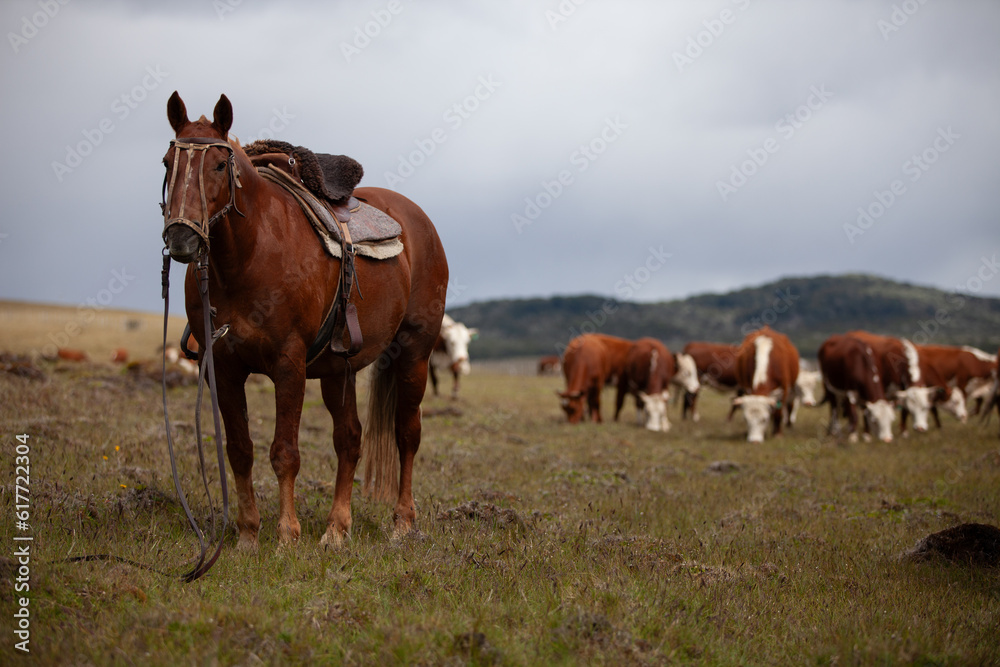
x,y
201,178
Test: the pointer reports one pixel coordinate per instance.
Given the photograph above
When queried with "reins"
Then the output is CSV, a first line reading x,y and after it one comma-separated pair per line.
x,y
207,368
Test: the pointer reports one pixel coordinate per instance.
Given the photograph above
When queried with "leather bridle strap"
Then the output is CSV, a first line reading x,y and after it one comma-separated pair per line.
x,y
192,146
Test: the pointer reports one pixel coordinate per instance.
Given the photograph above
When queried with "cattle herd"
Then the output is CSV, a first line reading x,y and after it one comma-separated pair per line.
x,y
862,374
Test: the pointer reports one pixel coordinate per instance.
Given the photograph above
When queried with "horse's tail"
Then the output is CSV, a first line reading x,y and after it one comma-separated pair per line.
x,y
378,441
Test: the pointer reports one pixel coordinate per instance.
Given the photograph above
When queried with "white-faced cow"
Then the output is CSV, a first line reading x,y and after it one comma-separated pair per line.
x,y
767,366
805,391
452,352
716,367
899,367
979,387
648,371
852,378
939,368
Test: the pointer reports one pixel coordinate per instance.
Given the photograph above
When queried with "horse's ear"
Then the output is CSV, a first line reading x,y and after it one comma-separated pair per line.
x,y
177,112
223,116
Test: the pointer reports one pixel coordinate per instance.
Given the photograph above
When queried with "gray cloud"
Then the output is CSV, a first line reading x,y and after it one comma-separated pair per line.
x,y
703,94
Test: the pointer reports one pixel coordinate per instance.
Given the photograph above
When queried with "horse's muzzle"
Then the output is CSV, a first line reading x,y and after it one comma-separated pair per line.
x,y
183,243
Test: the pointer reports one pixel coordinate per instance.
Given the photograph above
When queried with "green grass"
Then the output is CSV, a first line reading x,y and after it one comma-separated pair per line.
x,y
538,542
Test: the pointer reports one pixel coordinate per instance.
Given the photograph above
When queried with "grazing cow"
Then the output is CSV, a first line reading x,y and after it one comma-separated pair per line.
x,y
767,366
940,366
716,367
586,366
851,377
805,391
649,368
968,369
549,365
899,367
119,356
67,354
174,357
451,351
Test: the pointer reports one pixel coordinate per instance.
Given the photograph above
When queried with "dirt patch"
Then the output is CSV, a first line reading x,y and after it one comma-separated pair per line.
x,y
474,510
971,544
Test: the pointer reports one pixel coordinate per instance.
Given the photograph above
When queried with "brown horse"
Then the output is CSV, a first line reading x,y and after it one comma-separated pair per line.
x,y
272,284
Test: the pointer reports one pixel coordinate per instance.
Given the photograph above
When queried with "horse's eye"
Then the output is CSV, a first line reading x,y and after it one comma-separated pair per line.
x,y
221,167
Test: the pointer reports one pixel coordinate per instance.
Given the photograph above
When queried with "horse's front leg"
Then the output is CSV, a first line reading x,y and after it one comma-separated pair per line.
x,y
289,392
340,397
239,448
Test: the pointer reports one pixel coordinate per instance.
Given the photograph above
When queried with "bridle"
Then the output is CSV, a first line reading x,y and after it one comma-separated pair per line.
x,y
192,146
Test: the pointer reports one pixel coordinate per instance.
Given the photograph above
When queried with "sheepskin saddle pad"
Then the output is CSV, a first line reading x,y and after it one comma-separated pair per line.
x,y
323,184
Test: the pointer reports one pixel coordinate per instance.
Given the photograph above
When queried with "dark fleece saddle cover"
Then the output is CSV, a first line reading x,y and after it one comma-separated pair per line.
x,y
331,178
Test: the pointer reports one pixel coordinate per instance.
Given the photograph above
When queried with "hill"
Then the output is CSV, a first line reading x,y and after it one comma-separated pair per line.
x,y
806,309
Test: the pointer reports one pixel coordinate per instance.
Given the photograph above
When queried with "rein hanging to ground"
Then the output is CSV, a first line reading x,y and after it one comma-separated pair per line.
x,y
202,226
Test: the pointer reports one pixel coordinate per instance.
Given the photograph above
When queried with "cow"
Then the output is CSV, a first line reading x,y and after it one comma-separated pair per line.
x,y
966,368
649,368
549,365
851,377
174,357
899,367
805,392
716,367
948,370
586,366
452,352
767,366
119,356
67,354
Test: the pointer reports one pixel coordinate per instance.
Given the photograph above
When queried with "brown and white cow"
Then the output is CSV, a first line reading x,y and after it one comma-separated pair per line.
x,y
948,370
851,377
968,369
452,352
549,364
767,366
648,371
716,368
899,367
805,391
586,366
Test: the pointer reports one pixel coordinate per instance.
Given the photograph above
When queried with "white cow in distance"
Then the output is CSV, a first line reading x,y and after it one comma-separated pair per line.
x,y
452,352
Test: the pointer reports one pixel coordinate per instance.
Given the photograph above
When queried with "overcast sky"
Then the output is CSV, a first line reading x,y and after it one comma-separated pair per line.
x,y
641,150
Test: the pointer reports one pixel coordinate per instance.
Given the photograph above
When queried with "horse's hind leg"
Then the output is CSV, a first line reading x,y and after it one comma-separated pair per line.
x,y
340,398
289,392
411,381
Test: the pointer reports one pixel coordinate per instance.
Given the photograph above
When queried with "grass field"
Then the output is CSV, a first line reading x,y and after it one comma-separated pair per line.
x,y
538,542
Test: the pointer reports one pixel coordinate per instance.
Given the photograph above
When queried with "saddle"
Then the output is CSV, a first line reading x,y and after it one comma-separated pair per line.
x,y
323,185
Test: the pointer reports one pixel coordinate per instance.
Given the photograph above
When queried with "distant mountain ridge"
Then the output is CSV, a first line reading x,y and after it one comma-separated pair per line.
x,y
807,309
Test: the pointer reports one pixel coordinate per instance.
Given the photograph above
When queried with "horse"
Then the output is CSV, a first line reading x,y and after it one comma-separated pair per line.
x,y
271,285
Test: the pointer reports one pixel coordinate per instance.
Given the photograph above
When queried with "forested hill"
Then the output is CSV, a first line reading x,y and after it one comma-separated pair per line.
x,y
806,309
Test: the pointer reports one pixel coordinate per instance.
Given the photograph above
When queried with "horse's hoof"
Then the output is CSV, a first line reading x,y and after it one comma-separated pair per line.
x,y
333,539
248,544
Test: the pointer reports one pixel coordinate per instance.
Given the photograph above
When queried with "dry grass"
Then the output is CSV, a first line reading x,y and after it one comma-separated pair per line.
x,y
538,542
33,329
